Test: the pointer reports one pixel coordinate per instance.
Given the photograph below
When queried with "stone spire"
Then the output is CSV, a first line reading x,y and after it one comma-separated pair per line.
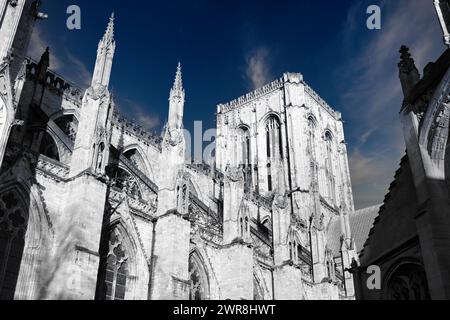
x,y
109,34
408,73
176,102
105,55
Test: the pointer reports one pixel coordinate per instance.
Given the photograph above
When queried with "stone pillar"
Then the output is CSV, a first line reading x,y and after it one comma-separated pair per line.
x,y
236,272
288,283
287,276
75,263
170,266
233,195
432,221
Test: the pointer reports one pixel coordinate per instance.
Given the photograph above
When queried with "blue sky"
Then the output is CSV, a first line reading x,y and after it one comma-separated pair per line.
x,y
230,47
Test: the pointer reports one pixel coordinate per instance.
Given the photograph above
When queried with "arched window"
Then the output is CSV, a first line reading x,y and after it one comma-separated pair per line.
x,y
245,158
113,269
408,282
241,224
199,289
311,136
124,181
299,252
247,225
47,145
182,198
100,156
329,172
136,159
274,147
13,225
69,125
291,254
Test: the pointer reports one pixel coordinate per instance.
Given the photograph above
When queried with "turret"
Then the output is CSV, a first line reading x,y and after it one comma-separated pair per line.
x,y
105,56
176,102
91,149
408,73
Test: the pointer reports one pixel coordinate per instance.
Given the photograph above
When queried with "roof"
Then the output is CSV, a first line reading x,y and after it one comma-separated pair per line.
x,y
360,224
334,236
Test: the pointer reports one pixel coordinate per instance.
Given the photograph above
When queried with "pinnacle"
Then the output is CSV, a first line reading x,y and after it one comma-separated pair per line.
x,y
178,84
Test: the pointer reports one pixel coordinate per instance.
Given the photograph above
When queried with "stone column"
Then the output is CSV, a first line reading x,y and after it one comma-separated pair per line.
x,y
75,263
170,265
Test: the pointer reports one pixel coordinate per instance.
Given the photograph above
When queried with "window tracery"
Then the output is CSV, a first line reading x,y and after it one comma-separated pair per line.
x,y
199,288
113,269
408,283
13,225
274,148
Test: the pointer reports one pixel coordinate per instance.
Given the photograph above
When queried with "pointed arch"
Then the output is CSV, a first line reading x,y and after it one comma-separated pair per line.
x,y
294,244
26,231
434,132
136,154
67,121
199,278
121,259
329,169
406,280
312,120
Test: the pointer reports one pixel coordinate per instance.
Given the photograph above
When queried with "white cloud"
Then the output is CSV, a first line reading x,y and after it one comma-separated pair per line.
x,y
258,70
82,76
138,113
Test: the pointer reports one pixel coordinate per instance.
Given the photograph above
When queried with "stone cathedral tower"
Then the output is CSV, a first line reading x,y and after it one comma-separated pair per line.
x,y
94,206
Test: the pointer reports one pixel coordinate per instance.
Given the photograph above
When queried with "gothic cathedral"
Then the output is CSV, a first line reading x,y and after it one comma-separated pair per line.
x,y
93,206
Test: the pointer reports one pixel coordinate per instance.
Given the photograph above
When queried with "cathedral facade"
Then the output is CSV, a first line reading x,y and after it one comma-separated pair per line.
x,y
93,206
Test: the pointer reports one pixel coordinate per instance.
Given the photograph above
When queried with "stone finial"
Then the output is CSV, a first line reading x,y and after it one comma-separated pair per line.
x,y
407,63
109,34
105,56
409,75
43,65
177,89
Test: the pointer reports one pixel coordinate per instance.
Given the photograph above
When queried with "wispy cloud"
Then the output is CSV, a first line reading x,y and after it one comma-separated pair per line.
x,y
38,45
371,92
139,113
83,76
258,70
61,61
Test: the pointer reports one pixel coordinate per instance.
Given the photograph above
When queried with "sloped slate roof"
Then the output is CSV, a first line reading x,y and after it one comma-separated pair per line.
x,y
334,236
361,223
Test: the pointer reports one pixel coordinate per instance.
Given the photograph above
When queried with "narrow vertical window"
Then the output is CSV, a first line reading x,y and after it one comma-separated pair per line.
x,y
274,147
245,161
290,251
331,185
199,289
113,269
